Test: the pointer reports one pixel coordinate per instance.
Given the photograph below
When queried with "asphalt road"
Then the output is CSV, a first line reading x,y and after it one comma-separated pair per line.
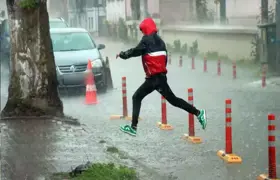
x,y
163,153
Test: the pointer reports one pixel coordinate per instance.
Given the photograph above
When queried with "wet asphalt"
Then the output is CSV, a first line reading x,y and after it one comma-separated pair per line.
x,y
31,149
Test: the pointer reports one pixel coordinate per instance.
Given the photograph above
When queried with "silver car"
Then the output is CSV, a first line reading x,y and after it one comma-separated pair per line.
x,y
73,47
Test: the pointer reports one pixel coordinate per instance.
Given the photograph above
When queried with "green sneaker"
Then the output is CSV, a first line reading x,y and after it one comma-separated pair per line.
x,y
128,129
202,118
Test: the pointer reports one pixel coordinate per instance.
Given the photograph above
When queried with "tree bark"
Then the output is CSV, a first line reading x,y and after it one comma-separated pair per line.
x,y
33,84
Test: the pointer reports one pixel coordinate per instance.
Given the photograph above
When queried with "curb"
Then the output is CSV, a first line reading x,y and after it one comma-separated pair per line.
x,y
65,119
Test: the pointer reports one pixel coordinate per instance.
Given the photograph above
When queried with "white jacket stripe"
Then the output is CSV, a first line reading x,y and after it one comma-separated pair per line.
x,y
158,53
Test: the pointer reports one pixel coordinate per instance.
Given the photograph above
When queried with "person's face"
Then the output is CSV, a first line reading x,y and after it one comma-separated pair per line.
x,y
141,31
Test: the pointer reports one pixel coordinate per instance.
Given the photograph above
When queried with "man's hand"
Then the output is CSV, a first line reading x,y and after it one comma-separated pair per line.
x,y
123,55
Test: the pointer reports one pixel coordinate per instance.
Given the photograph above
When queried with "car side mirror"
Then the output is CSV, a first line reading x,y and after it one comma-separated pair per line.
x,y
100,46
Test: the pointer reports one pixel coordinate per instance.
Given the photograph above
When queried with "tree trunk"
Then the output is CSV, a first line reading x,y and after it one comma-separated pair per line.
x,y
33,84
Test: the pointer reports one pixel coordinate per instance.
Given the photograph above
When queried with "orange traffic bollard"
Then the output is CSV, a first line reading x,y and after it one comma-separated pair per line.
x,y
163,124
205,65
227,155
263,76
191,136
234,69
219,68
272,171
169,58
124,101
180,61
193,64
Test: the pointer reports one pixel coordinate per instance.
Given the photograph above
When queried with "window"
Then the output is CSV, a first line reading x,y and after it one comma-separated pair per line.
x,y
91,23
72,41
90,3
72,4
5,27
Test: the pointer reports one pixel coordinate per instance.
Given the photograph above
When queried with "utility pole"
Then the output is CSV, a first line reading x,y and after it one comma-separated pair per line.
x,y
223,16
264,11
277,8
264,20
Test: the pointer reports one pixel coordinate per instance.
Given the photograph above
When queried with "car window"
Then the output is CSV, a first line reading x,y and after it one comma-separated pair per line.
x,y
1,29
72,41
5,28
57,24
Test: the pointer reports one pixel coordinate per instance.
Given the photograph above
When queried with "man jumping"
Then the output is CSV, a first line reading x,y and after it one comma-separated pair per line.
x,y
154,59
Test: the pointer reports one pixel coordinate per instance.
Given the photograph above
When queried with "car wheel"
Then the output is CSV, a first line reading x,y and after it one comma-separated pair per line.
x,y
103,88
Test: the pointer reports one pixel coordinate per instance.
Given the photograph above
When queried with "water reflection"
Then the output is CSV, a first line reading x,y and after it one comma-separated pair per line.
x,y
26,146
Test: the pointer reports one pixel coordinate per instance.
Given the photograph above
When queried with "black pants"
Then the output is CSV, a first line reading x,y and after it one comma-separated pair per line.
x,y
159,83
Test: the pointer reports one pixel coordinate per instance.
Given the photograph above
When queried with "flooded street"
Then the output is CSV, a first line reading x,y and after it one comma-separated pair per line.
x,y
30,149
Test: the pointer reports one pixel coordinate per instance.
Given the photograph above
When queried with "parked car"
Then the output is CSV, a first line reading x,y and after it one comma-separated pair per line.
x,y
73,47
4,40
5,35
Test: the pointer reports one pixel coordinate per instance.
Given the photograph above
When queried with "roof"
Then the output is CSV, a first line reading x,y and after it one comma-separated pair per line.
x,y
67,30
56,19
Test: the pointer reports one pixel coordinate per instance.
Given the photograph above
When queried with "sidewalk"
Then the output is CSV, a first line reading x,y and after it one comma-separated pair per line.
x,y
32,149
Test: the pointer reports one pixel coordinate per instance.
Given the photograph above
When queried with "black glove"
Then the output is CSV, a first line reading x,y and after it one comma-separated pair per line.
x,y
123,55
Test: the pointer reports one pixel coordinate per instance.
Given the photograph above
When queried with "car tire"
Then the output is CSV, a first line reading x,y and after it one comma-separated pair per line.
x,y
103,88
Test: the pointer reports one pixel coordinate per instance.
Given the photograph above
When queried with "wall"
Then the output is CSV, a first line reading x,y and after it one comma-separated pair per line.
x,y
240,12
92,20
153,7
175,11
58,8
115,10
231,41
89,19
128,8
3,6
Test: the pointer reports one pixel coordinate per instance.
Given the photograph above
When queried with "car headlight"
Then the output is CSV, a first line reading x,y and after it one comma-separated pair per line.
x,y
97,63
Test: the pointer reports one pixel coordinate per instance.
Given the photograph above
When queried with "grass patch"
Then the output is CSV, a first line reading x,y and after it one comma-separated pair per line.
x,y
100,171
102,141
112,149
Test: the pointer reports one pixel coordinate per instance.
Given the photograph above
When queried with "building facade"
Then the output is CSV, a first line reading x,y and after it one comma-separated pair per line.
x,y
3,10
58,8
117,9
88,14
240,12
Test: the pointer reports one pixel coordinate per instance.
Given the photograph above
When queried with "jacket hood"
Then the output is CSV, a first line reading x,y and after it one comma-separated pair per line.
x,y
148,26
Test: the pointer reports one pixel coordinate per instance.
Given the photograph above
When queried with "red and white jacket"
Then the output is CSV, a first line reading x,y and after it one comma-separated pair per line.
x,y
152,49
